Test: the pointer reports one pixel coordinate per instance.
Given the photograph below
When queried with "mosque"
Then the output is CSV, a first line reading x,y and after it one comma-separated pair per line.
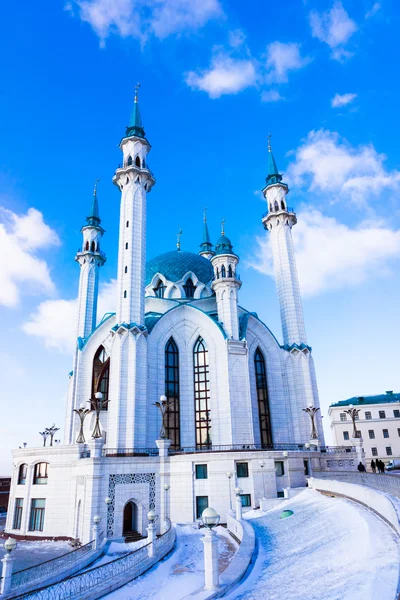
x,y
232,397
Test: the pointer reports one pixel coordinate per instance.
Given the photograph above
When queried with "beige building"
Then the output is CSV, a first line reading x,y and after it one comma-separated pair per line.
x,y
378,424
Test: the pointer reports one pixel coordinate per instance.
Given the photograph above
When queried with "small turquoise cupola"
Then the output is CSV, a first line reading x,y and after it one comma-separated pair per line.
x,y
135,127
224,244
206,247
93,219
273,174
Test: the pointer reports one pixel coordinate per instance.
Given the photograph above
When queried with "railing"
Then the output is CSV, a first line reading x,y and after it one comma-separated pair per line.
x,y
289,209
337,449
123,452
50,567
130,452
378,481
76,586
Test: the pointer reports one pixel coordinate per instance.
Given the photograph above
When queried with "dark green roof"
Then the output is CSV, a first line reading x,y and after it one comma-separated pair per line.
x,y
378,399
174,266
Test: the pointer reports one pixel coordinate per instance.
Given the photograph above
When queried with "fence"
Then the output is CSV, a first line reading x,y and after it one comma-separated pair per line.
x,y
381,482
105,577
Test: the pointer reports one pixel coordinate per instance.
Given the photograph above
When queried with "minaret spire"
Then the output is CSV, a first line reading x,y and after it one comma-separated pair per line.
x,y
273,174
206,247
135,127
178,239
94,217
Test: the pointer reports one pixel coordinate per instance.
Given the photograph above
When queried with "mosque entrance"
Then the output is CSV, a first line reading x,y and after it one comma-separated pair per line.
x,y
130,525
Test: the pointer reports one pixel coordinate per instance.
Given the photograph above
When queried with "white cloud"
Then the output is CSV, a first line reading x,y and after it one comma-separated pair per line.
x,y
143,18
54,321
226,75
282,58
335,28
20,268
325,162
271,96
236,38
342,99
331,255
373,10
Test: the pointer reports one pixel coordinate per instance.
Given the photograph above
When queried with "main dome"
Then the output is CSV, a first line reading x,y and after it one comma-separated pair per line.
x,y
174,266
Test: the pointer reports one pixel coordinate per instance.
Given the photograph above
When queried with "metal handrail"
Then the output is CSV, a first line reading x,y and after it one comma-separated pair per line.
x,y
114,452
40,571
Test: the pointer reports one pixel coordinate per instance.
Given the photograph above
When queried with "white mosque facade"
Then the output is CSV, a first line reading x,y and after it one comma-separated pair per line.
x,y
235,395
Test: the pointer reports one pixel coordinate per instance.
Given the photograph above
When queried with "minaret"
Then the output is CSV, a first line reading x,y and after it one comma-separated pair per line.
x,y
135,180
226,284
206,245
90,259
279,221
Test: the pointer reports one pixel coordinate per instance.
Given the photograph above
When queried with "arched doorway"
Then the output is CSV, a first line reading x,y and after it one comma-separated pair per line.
x,y
130,519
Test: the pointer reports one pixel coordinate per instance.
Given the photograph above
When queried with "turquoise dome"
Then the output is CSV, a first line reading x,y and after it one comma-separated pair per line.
x,y
223,245
174,265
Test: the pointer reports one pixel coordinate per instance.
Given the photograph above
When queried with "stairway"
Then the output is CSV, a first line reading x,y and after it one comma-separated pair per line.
x,y
132,536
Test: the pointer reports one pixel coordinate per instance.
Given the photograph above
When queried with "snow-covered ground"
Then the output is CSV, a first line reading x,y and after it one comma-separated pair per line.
x,y
330,549
180,573
28,554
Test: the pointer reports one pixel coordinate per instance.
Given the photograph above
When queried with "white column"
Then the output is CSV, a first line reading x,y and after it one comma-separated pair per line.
x,y
152,535
358,443
239,507
211,574
96,532
6,574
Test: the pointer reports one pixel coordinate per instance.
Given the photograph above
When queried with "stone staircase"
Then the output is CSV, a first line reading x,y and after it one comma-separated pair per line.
x,y
132,536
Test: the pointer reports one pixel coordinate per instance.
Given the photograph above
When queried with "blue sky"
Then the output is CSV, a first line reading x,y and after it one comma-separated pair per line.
x,y
216,77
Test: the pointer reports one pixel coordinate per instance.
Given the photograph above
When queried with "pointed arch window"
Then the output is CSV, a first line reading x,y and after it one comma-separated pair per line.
x,y
201,373
230,272
189,288
282,205
101,373
129,161
92,247
137,161
172,392
87,246
276,205
223,271
159,289
262,399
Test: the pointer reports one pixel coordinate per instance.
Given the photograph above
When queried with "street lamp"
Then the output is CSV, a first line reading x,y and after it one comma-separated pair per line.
x,y
51,431
151,530
238,493
353,413
210,519
45,434
82,412
8,560
163,406
98,404
312,411
262,465
10,545
229,475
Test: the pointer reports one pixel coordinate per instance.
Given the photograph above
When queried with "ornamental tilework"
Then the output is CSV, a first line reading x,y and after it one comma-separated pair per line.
x,y
114,480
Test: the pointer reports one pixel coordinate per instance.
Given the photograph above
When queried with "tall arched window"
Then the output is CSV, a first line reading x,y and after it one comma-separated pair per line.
x,y
159,289
23,470
92,247
172,392
276,205
223,271
129,161
202,394
230,273
101,373
282,205
189,288
137,161
262,399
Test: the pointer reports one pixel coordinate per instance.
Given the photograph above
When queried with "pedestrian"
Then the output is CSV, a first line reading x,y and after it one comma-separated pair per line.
x,y
373,466
361,467
381,466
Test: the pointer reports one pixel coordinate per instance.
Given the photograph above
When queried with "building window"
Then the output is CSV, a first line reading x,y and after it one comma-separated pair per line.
x,y
40,474
346,435
306,467
19,502
382,414
385,433
189,288
343,417
388,451
127,223
172,392
358,433
279,468
242,469
368,415
230,272
126,269
125,294
371,434
280,494
101,373
202,394
262,399
374,451
201,504
159,289
398,431
223,271
396,413
22,474
246,499
36,521
126,246
201,472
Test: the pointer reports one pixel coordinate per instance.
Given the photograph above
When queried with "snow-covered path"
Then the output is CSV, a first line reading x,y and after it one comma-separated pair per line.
x,y
181,573
330,549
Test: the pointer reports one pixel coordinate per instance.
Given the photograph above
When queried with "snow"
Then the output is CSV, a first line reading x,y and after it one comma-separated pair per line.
x,y
330,549
180,573
28,554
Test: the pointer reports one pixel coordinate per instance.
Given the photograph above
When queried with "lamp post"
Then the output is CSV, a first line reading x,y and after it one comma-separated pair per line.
x,y
7,569
210,519
151,531
262,465
312,411
308,446
45,434
96,534
353,413
98,404
163,406
286,456
82,412
229,475
238,493
51,431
